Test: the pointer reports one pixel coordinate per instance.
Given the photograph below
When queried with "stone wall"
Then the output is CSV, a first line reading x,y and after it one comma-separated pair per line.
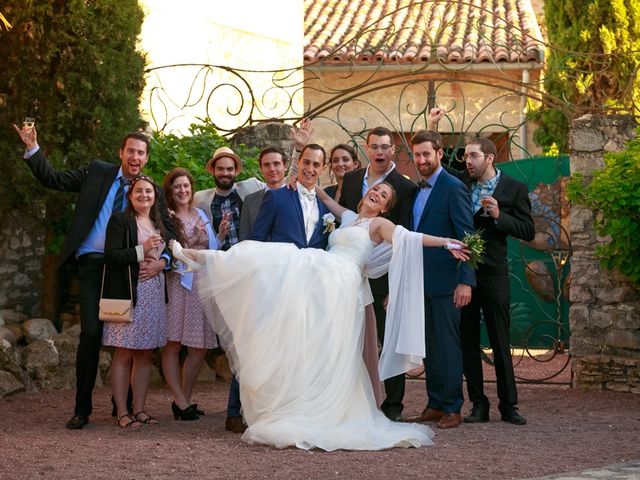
x,y
605,313
22,247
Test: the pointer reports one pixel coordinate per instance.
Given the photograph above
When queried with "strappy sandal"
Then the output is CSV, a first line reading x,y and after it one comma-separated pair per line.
x,y
132,423
148,420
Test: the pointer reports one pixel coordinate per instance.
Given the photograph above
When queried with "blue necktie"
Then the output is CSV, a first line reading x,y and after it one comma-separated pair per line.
x,y
118,203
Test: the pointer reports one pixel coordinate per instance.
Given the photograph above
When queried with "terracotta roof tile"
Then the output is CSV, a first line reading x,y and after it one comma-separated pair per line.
x,y
413,31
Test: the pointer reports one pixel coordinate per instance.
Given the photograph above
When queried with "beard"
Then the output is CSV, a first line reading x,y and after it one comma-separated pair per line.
x,y
224,183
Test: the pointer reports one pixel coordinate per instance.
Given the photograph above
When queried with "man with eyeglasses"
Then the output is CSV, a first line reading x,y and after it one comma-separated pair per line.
x,y
101,189
380,152
500,207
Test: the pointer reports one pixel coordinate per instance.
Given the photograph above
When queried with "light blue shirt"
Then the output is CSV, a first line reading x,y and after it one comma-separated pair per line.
x,y
94,242
423,197
382,178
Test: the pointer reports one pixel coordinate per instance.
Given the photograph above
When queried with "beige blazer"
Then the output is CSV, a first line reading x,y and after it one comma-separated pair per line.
x,y
203,198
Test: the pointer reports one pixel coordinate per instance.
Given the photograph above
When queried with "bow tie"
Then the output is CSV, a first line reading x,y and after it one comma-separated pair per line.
x,y
424,184
308,194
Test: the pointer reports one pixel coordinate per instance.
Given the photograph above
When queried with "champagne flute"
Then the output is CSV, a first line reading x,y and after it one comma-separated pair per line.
x,y
28,123
486,203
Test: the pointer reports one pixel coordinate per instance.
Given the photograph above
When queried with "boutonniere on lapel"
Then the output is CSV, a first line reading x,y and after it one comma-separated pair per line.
x,y
329,222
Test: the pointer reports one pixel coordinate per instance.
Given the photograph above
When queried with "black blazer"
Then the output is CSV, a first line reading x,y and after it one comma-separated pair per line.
x,y
122,230
92,183
515,219
352,190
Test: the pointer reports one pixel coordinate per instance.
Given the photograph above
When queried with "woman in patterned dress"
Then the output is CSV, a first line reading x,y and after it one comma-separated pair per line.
x,y
186,321
134,238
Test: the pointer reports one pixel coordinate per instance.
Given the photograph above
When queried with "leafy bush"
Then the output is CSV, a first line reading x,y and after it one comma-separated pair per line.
x,y
74,67
592,60
193,152
614,197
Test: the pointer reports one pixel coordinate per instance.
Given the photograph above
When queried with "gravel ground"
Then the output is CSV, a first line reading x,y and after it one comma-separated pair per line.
x,y
568,431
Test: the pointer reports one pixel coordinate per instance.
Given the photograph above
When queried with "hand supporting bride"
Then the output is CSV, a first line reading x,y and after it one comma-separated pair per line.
x,y
378,200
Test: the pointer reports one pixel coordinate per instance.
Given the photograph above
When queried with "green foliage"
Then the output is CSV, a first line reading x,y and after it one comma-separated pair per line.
x,y
193,152
73,66
614,196
595,50
475,244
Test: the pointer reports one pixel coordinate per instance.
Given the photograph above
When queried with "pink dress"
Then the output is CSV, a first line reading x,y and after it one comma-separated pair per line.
x,y
186,320
147,330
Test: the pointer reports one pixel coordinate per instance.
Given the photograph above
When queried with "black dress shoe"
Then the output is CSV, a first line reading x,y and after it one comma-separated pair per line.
x,y
235,424
479,414
395,417
77,422
512,416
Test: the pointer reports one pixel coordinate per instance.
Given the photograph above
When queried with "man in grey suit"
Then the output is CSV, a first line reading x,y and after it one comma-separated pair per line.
x,y
273,165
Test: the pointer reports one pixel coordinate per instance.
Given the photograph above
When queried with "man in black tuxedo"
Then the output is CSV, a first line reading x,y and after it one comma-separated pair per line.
x,y
100,187
501,207
380,152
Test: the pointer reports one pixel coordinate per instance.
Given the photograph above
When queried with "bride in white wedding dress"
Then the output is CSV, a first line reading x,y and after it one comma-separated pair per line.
x,y
292,320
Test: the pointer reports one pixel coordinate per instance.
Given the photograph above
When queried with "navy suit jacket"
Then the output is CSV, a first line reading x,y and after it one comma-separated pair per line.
x,y
446,214
280,219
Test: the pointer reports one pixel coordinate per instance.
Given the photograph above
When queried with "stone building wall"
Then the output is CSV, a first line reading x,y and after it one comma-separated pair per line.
x,y
605,313
22,247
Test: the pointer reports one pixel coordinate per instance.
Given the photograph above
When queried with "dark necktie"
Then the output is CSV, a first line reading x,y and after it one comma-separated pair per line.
x,y
118,203
424,184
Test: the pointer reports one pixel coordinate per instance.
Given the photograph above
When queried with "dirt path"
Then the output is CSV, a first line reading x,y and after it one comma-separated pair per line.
x,y
567,431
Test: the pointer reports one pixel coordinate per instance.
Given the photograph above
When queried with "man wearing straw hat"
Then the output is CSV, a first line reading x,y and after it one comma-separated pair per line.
x,y
224,202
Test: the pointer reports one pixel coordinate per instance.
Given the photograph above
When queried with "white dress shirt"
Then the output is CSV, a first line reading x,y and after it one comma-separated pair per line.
x,y
310,211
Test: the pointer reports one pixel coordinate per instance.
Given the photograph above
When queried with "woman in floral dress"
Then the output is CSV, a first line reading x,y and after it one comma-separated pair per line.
x,y
186,321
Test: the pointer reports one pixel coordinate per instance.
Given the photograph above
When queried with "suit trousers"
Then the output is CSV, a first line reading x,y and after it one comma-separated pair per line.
x,y
233,403
491,296
443,363
394,387
87,356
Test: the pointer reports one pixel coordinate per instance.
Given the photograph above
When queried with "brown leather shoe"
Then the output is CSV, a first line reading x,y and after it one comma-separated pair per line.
x,y
449,420
427,415
235,424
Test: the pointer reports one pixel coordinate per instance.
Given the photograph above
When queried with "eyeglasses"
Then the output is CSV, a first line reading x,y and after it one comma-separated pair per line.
x,y
472,156
384,148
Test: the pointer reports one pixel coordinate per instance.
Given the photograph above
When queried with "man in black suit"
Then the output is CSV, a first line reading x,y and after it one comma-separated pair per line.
x,y
501,207
380,152
100,187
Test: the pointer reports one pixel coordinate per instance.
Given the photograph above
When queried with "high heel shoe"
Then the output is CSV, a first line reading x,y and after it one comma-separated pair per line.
x,y
188,413
198,411
176,249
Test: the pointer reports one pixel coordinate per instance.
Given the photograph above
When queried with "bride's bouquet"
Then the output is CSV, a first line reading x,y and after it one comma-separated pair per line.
x,y
475,244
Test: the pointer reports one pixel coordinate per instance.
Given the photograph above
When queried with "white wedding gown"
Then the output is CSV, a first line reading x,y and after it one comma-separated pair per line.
x,y
292,320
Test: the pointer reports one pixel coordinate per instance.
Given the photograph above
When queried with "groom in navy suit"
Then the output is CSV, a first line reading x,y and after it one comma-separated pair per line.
x,y
291,216
442,206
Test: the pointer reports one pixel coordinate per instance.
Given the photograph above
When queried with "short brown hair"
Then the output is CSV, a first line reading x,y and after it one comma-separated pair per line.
x,y
277,150
315,146
422,136
380,132
136,136
486,146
